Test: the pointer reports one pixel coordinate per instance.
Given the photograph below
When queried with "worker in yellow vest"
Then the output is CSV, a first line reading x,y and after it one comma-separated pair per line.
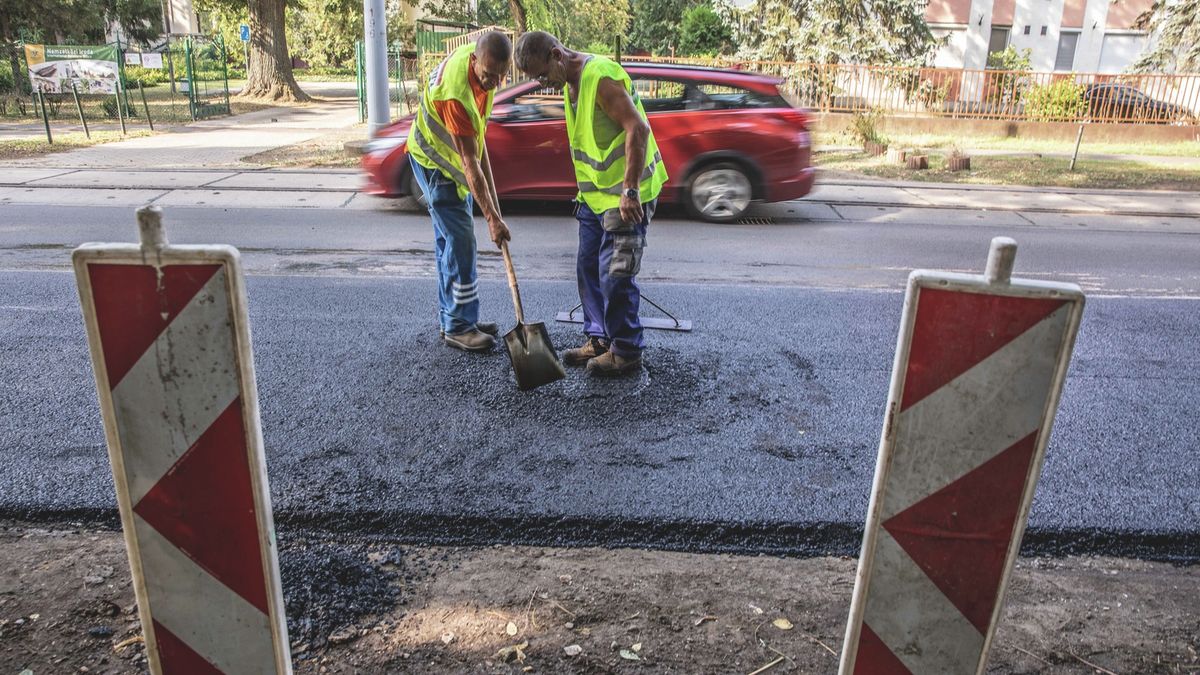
x,y
450,162
619,173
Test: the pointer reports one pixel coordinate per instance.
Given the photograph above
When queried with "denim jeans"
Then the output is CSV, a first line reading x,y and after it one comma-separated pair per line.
x,y
455,249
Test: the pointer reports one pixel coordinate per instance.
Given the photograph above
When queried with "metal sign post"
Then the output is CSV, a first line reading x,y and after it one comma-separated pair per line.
x,y
170,344
979,369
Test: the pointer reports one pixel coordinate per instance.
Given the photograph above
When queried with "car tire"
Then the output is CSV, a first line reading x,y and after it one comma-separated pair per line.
x,y
720,192
413,188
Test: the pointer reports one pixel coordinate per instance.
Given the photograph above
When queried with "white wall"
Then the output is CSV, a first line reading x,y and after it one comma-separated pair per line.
x,y
1035,14
950,53
1087,54
1119,51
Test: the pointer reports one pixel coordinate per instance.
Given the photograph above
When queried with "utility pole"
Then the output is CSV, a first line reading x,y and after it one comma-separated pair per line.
x,y
375,40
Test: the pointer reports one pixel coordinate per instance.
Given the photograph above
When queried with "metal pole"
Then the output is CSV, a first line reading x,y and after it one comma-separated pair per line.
x,y
45,118
375,37
79,108
120,113
145,107
225,70
1078,140
191,92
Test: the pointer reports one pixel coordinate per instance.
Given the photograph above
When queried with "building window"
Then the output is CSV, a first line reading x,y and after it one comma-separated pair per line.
x,y
1027,30
999,39
1043,30
1067,42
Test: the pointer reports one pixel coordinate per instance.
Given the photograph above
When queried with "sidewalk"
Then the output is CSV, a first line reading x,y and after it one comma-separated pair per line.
x,y
241,187
219,143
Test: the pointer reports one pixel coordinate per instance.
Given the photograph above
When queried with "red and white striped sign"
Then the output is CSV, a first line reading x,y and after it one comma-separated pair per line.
x,y
979,369
170,347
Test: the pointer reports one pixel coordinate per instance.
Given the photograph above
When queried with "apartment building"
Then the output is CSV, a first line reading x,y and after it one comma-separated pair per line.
x,y
1083,36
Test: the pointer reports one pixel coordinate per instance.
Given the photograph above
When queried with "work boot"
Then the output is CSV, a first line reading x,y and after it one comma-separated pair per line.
x,y
591,349
473,340
610,364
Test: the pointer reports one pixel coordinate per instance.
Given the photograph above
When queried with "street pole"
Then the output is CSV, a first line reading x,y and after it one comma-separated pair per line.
x,y
79,109
1075,155
375,37
45,118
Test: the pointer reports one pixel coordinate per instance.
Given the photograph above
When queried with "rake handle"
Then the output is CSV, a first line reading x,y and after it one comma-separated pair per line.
x,y
512,282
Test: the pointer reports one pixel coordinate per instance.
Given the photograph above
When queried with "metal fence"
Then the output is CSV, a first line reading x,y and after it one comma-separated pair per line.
x,y
404,72
191,84
978,94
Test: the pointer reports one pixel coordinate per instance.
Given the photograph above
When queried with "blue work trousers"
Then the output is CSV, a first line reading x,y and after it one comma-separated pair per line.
x,y
455,248
610,301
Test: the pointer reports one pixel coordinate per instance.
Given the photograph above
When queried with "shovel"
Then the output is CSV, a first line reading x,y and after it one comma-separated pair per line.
x,y
533,358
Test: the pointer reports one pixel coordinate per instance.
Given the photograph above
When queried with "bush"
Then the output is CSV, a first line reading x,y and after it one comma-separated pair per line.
x,y
1061,101
7,82
136,76
864,128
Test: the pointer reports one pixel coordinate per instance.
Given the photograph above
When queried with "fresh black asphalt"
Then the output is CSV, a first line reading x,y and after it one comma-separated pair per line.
x,y
756,432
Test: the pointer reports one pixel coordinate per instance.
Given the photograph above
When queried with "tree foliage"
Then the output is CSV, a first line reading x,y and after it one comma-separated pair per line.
x,y
656,25
702,31
892,32
72,22
1174,45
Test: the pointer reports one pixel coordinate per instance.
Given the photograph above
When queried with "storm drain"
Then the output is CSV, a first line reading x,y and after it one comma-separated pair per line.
x,y
756,221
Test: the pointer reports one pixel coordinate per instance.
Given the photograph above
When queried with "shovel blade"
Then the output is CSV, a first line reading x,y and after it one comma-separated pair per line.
x,y
533,358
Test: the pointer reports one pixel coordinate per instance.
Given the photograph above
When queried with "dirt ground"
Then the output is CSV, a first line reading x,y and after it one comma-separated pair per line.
x,y
66,605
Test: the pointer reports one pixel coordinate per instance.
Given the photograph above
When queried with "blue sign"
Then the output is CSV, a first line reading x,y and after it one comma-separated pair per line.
x,y
244,32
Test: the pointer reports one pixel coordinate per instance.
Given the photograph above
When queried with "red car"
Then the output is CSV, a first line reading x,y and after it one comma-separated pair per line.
x,y
727,137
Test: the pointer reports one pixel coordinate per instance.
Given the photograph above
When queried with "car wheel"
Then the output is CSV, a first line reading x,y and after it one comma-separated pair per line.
x,y
719,193
413,188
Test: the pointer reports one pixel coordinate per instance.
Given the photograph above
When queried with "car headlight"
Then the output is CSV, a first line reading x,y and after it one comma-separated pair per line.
x,y
384,143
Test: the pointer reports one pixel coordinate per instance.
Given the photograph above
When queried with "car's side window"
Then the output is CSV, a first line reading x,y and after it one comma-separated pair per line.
x,y
726,97
661,95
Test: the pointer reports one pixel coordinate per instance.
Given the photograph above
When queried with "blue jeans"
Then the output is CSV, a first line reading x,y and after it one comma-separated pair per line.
x,y
454,247
610,301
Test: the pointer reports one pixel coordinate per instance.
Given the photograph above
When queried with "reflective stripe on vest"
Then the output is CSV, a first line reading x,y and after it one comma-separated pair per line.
x,y
600,171
647,174
431,143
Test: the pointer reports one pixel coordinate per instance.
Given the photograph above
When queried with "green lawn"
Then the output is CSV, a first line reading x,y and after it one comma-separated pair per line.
x,y
1021,170
36,147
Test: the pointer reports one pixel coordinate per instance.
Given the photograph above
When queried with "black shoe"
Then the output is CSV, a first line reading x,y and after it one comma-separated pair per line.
x,y
488,327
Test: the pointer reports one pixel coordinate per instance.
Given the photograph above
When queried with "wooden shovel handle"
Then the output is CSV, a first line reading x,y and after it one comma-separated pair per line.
x,y
512,281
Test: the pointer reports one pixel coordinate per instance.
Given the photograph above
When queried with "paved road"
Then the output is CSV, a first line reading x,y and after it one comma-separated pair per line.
x,y
756,432
806,244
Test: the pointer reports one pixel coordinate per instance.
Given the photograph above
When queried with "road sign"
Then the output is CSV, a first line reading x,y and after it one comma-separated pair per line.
x,y
244,32
170,346
979,368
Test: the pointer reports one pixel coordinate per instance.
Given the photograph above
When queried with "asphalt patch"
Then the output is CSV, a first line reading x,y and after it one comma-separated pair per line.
x,y
328,589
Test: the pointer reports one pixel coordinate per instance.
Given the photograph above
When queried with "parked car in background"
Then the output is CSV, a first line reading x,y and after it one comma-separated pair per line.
x,y
728,138
1123,103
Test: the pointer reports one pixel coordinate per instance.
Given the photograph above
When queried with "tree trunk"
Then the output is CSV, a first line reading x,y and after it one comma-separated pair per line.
x,y
270,73
518,14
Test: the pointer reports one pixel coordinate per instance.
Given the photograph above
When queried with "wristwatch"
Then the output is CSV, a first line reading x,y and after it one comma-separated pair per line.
x,y
632,193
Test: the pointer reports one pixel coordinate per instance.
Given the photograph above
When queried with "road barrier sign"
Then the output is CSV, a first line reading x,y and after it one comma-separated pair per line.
x,y
170,345
979,369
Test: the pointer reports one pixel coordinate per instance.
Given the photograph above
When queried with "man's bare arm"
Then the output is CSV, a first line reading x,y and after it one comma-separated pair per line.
x,y
481,187
615,101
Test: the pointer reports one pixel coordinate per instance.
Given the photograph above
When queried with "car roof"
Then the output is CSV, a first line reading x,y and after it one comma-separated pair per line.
x,y
767,84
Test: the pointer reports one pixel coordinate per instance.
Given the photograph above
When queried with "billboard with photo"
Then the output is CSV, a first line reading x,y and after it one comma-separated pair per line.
x,y
53,68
